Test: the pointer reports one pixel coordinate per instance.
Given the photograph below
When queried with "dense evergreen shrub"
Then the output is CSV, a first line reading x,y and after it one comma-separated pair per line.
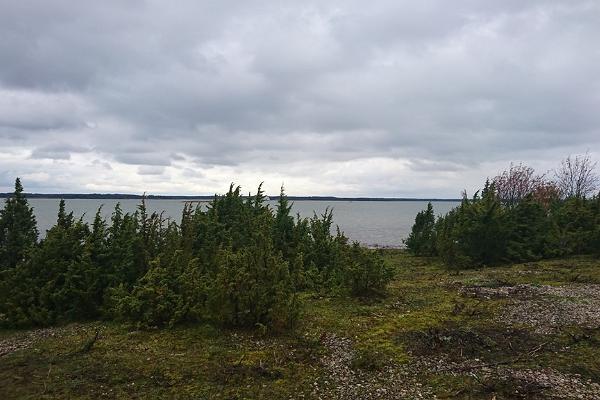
x,y
367,273
235,262
446,240
481,229
595,239
155,299
420,241
572,228
527,226
253,287
18,229
487,229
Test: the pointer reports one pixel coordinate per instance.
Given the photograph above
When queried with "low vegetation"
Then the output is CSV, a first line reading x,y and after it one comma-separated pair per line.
x,y
517,217
235,263
474,334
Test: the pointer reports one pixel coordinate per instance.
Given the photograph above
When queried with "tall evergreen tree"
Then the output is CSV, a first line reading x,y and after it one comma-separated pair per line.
x,y
127,258
483,229
67,280
283,228
18,229
421,241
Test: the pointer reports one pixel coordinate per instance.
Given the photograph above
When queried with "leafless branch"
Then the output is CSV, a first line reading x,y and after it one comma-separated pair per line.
x,y
577,177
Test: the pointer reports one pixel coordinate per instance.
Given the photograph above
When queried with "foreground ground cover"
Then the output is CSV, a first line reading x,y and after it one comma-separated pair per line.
x,y
522,331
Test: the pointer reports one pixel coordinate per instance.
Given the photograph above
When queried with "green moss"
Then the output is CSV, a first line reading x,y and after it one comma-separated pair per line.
x,y
424,314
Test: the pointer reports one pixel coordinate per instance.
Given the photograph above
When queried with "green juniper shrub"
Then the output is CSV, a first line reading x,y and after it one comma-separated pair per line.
x,y
57,282
154,300
595,236
324,254
67,279
447,239
235,262
367,272
253,287
284,239
195,283
18,229
96,253
573,224
527,226
474,233
420,241
126,259
485,230
19,306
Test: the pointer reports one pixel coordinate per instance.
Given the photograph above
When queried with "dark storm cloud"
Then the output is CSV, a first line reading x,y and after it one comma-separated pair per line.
x,y
393,94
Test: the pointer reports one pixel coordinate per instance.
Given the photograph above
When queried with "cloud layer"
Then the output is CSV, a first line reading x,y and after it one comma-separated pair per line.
x,y
399,98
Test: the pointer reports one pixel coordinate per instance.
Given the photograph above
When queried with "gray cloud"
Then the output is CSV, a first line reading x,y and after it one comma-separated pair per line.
x,y
58,151
397,98
151,170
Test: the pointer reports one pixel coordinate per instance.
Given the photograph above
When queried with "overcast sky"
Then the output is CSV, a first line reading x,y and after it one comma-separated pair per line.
x,y
347,98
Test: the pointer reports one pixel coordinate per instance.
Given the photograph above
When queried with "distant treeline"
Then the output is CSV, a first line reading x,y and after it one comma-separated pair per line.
x,y
518,216
104,196
236,262
120,196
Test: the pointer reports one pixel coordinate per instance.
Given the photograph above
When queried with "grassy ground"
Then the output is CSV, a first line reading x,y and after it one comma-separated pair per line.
x,y
523,331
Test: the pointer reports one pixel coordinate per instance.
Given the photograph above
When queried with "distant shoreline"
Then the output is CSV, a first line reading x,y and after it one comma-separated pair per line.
x,y
120,196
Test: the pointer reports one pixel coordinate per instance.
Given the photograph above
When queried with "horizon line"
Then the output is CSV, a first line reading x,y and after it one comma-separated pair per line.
x,y
128,196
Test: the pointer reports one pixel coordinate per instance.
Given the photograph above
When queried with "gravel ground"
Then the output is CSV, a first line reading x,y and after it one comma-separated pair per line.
x,y
401,382
395,382
24,340
546,309
548,382
556,385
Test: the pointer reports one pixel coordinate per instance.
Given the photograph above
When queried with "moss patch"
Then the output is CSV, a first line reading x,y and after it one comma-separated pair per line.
x,y
423,332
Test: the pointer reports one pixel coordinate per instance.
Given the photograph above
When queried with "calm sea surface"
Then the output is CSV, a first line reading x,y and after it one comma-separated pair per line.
x,y
382,223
